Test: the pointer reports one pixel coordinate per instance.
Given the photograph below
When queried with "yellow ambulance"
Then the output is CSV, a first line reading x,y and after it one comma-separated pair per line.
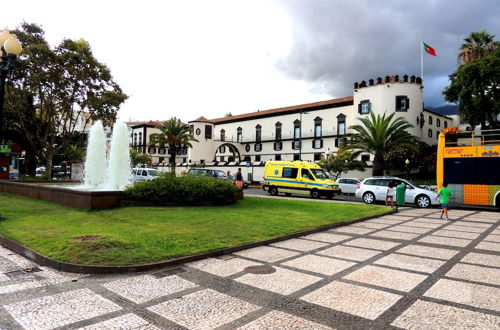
x,y
298,177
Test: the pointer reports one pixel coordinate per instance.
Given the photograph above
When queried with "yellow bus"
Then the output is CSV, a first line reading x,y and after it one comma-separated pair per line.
x,y
470,164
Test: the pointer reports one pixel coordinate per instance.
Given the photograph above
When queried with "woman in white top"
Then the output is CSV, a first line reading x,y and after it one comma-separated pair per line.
x,y
389,195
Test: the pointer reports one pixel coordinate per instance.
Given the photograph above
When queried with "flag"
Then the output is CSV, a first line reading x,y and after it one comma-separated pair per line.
x,y
429,49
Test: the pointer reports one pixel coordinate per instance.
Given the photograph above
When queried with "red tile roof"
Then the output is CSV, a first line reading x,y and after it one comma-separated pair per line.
x,y
150,122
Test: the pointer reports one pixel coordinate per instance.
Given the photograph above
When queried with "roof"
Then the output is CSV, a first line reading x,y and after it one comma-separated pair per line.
x,y
436,113
280,111
446,110
140,123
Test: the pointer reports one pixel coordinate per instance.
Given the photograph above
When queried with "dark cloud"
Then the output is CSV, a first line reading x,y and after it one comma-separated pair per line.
x,y
338,42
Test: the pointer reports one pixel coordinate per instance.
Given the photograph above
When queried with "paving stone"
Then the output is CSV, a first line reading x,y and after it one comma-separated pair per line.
x,y
300,244
283,281
386,221
317,264
492,238
488,246
409,262
353,230
347,252
353,299
426,251
465,223
475,273
420,224
372,244
206,309
410,229
482,259
371,225
445,240
466,293
327,237
222,267
279,320
468,229
23,286
142,288
61,309
397,218
388,278
127,321
429,315
482,219
455,234
395,235
267,253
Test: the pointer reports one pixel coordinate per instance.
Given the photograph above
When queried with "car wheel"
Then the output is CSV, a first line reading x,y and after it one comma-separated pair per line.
x,y
315,194
497,202
273,191
423,201
369,198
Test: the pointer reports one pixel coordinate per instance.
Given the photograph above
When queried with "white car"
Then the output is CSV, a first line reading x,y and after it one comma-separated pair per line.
x,y
374,189
143,174
348,185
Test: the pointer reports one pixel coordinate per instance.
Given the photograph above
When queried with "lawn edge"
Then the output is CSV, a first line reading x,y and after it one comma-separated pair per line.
x,y
105,269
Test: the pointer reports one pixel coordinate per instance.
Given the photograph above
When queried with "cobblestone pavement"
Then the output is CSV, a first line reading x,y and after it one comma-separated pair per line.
x,y
409,270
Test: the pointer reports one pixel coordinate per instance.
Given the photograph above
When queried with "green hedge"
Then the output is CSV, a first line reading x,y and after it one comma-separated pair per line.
x,y
183,190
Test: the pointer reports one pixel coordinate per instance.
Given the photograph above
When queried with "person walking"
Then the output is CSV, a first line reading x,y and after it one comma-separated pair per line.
x,y
445,194
389,195
239,179
400,195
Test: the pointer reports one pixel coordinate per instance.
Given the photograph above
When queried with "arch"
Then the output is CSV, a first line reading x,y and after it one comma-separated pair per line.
x,y
231,148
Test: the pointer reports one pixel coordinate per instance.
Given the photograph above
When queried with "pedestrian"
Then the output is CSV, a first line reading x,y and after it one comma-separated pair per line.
x,y
239,179
445,194
389,195
228,174
400,195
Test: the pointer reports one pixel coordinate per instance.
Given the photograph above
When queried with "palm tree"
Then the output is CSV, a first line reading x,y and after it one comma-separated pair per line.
x,y
477,45
174,134
378,135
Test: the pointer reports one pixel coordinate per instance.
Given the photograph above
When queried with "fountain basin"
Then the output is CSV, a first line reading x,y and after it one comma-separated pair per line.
x,y
80,199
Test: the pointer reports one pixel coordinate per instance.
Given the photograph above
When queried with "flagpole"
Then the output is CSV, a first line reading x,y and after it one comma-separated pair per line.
x,y
422,61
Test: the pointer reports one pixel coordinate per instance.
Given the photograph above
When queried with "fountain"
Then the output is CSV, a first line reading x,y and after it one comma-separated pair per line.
x,y
104,180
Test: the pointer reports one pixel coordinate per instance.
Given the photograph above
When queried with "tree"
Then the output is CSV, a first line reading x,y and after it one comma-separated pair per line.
x,y
475,86
422,160
477,45
378,135
137,158
55,92
174,134
343,161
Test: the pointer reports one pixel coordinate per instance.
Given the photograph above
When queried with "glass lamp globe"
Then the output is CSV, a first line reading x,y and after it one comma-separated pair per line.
x,y
4,36
12,45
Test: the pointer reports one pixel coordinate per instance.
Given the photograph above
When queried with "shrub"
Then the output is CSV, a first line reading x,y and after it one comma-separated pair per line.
x,y
183,190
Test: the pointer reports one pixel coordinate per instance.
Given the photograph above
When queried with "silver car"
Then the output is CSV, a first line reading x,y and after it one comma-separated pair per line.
x,y
348,186
374,189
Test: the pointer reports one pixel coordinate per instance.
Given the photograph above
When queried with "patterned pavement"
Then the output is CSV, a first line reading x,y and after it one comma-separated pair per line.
x,y
407,270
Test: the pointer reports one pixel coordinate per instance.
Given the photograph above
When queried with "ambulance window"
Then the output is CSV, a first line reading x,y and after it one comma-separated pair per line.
x,y
306,174
290,172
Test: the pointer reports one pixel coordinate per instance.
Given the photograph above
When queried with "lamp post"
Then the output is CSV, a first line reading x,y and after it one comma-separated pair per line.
x,y
11,48
407,162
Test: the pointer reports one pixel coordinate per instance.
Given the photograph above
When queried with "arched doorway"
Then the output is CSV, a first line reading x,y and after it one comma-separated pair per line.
x,y
227,152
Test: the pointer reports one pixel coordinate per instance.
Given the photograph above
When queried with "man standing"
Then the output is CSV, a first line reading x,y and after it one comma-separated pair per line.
x,y
239,179
444,193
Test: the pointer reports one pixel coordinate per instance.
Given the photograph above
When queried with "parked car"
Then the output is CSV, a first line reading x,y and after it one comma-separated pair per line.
x,y
218,174
374,189
144,174
348,186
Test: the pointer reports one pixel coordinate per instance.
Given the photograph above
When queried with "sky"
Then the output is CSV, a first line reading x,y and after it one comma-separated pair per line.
x,y
191,58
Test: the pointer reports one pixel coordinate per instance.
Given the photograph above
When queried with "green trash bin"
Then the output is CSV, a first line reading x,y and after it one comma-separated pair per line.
x,y
400,194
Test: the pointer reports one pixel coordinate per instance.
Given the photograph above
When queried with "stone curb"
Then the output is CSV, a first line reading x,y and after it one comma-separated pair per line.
x,y
100,269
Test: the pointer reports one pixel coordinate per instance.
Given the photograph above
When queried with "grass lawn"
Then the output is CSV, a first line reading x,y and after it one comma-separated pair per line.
x,y
137,234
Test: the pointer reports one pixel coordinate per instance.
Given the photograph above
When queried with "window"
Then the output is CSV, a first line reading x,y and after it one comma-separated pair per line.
x,y
247,148
258,133
140,138
365,158
296,129
246,158
430,120
222,149
223,135
317,143
257,158
317,127
296,157
289,172
161,159
258,147
239,135
208,131
162,151
402,103
295,145
341,124
429,133
277,157
317,156
198,131
278,132
278,146
152,150
191,129
445,124
438,122
364,107
151,137
135,139
306,174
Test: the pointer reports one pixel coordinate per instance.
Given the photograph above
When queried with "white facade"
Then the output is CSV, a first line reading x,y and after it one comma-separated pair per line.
x,y
322,125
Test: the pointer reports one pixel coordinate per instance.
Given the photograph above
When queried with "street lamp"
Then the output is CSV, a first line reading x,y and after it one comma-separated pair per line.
x,y
407,162
11,48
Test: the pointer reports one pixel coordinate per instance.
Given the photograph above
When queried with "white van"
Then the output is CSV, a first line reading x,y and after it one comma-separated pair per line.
x,y
144,174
